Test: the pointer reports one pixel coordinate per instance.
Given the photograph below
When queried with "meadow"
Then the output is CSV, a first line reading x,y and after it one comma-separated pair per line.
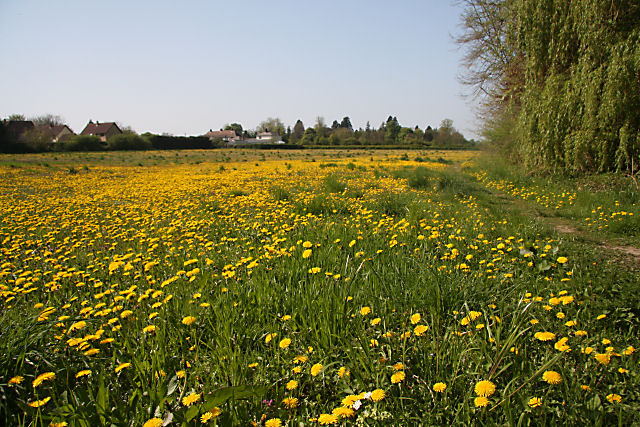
x,y
315,287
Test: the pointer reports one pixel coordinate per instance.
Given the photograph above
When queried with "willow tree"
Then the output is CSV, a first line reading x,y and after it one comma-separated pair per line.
x,y
581,101
565,73
493,68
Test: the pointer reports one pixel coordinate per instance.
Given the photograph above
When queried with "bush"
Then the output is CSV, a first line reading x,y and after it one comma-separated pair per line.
x,y
280,193
333,185
84,143
167,142
420,177
128,141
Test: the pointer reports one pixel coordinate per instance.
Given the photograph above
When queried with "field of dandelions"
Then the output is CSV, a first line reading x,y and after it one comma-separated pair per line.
x,y
325,288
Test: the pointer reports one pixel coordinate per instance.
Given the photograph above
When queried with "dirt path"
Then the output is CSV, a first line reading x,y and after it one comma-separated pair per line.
x,y
626,254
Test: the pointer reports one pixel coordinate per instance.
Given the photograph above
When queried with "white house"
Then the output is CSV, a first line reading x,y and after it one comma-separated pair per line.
x,y
264,136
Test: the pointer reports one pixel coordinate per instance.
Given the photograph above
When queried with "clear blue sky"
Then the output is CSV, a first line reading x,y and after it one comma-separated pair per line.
x,y
187,67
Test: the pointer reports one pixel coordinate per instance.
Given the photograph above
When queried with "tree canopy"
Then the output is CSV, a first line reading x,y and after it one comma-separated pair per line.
x,y
559,81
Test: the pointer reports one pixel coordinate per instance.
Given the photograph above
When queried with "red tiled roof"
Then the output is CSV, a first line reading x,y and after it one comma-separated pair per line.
x,y
98,128
53,130
221,134
15,128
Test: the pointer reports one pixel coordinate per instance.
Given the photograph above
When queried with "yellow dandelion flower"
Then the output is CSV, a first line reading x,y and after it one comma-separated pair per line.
x,y
326,419
122,366
481,402
290,402
83,373
534,402
188,320
16,380
552,377
562,260
150,328
397,377
292,385
315,369
273,422
47,376
603,358
206,417
415,318
485,388
439,387
343,412
284,343
301,359
306,253
544,336
561,345
474,314
614,398
39,403
77,326
376,321
365,310
153,422
190,399
377,395
349,400
420,329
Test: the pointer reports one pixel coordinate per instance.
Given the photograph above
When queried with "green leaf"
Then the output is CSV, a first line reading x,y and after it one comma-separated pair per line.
x,y
192,413
173,384
102,399
544,266
223,394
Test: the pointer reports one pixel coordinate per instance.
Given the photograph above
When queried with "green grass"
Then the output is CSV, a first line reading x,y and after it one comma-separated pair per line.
x,y
338,260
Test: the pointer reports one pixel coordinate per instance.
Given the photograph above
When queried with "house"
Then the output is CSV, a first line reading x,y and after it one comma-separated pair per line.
x,y
104,130
16,128
56,132
265,136
225,135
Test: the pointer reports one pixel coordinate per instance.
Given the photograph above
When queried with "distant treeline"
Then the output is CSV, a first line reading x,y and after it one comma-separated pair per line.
x,y
560,80
127,141
389,134
342,133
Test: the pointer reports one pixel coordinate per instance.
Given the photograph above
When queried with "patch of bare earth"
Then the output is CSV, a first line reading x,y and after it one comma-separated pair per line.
x,y
630,253
629,250
564,228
